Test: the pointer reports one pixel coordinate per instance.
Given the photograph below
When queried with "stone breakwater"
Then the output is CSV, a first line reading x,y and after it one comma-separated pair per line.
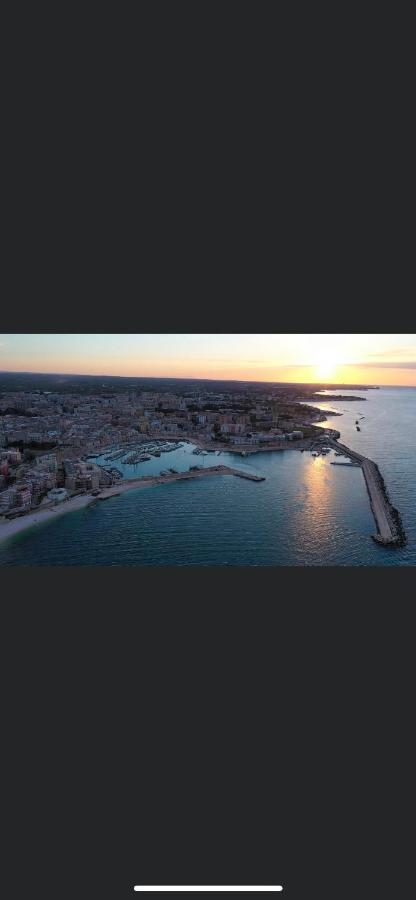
x,y
390,529
398,534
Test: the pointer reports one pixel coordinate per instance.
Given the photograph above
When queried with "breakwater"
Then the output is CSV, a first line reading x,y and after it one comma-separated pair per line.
x,y
390,529
168,477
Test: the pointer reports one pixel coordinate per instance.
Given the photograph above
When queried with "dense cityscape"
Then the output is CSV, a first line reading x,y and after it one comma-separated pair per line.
x,y
48,437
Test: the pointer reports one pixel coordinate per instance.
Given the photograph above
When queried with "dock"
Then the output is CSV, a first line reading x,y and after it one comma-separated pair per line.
x,y
390,530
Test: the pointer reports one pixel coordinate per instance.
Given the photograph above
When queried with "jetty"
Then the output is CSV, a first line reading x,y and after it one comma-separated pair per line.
x,y
170,475
390,530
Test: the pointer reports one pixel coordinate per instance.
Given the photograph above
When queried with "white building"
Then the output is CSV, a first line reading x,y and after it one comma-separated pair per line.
x,y
57,495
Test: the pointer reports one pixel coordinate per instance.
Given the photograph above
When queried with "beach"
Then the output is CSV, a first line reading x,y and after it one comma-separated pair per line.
x,y
11,527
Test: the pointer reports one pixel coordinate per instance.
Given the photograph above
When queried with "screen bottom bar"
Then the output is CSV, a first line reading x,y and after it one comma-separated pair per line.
x,y
210,888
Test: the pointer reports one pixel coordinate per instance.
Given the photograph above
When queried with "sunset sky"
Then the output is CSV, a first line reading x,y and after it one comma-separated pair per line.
x,y
339,358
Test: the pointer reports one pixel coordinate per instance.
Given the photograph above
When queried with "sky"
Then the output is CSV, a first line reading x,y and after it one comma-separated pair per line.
x,y
376,359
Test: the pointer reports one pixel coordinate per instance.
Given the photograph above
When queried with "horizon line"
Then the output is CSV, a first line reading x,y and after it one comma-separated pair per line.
x,y
359,384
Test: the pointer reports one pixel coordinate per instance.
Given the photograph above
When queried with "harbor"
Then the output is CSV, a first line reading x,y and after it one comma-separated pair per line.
x,y
390,531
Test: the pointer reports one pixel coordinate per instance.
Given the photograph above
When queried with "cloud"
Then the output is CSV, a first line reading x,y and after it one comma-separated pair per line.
x,y
381,364
392,354
376,364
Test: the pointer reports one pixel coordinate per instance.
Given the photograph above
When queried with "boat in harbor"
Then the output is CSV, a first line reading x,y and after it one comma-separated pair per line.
x,y
249,476
349,465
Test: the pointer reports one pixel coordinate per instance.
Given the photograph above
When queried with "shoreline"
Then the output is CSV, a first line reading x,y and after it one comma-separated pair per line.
x,y
11,527
390,530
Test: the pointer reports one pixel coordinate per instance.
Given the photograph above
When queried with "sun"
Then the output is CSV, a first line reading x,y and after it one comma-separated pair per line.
x,y
326,365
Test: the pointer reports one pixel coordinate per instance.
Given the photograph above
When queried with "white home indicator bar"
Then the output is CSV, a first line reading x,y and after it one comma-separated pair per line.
x,y
227,888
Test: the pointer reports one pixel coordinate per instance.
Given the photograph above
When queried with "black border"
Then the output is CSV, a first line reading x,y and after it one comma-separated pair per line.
x,y
241,726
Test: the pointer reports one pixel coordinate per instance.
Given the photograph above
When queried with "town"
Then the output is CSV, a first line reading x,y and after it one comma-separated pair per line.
x,y
48,438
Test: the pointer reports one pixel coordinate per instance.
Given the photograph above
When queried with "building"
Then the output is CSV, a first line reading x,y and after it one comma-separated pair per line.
x,y
295,436
48,462
232,428
7,500
57,495
70,475
14,457
243,420
24,495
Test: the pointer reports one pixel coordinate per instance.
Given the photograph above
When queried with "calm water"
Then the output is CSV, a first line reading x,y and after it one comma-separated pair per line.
x,y
307,512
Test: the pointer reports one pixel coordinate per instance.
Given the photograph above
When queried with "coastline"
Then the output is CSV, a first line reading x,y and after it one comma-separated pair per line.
x,y
11,527
390,530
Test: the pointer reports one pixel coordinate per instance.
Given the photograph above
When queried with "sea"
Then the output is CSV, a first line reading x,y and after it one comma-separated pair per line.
x,y
306,513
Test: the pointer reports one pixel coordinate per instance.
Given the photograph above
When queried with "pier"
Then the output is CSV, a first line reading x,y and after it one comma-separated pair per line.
x,y
390,531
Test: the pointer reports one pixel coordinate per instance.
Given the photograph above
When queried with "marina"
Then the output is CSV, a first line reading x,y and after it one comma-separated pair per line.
x,y
390,531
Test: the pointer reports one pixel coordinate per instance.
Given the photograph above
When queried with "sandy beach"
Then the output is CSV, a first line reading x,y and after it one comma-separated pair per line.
x,y
11,527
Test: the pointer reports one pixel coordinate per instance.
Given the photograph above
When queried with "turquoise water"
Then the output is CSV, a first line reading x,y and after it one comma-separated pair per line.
x,y
307,512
